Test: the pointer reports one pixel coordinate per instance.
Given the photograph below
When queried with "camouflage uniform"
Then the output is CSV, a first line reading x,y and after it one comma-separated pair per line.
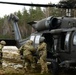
x,y
43,54
28,49
2,43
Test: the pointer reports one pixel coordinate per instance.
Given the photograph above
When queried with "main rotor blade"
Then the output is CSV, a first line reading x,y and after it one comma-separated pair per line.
x,y
64,5
27,4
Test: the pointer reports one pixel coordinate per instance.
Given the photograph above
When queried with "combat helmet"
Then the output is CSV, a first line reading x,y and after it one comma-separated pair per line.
x,y
3,42
42,39
29,42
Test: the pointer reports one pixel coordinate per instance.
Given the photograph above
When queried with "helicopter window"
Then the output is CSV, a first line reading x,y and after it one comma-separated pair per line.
x,y
32,38
67,40
69,23
37,39
62,40
68,12
74,40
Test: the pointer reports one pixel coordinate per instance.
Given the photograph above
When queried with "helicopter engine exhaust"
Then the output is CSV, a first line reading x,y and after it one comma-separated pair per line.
x,y
45,24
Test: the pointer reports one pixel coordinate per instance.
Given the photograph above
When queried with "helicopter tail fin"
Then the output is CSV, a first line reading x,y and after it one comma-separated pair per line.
x,y
17,33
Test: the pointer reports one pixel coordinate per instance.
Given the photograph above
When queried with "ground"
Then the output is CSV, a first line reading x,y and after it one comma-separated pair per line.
x,y
12,71
13,66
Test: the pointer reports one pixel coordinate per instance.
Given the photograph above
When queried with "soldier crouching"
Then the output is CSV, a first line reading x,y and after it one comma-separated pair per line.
x,y
29,61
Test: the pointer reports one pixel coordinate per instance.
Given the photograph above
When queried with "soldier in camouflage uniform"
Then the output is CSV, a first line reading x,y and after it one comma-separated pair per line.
x,y
43,55
2,43
29,60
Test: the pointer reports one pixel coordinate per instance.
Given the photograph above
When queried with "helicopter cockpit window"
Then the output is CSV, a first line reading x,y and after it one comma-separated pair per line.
x,y
74,40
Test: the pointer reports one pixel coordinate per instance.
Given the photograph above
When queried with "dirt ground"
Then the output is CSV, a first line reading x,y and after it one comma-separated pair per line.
x,y
11,71
12,65
8,70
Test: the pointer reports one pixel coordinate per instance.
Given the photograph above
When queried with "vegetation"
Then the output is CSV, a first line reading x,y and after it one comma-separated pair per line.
x,y
33,14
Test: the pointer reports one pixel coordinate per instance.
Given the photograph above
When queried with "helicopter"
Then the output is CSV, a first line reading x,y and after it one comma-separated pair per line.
x,y
59,33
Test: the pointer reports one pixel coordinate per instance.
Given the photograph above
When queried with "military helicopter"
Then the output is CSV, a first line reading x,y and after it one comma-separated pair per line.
x,y
59,33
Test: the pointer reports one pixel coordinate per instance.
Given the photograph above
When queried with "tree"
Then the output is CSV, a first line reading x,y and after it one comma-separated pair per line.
x,y
39,13
26,19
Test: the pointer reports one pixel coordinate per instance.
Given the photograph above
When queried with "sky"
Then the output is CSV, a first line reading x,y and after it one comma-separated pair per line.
x,y
6,9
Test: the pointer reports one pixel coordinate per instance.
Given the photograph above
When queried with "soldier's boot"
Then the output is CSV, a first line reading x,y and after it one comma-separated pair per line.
x,y
42,70
33,66
46,68
27,70
33,69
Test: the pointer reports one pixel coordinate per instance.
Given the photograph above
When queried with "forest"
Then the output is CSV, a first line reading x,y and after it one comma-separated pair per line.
x,y
25,16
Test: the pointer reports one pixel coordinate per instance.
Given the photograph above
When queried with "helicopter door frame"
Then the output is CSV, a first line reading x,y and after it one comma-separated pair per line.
x,y
66,44
36,39
73,42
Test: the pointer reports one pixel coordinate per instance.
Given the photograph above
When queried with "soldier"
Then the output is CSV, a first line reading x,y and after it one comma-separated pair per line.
x,y
2,43
29,60
43,54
